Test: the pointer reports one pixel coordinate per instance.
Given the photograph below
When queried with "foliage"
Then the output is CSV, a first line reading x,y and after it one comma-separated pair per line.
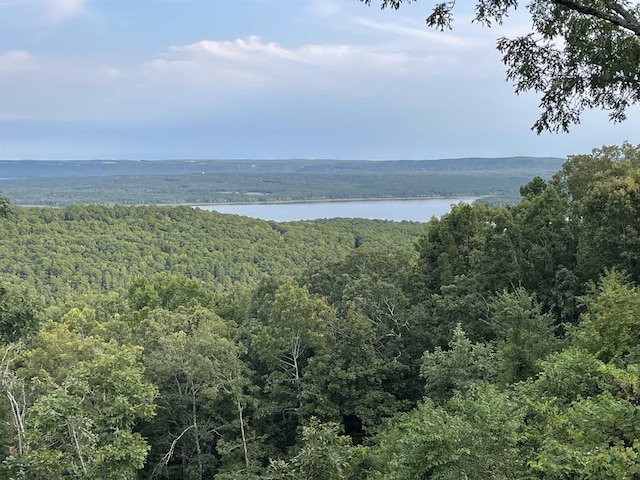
x,y
4,206
449,245
594,436
58,253
610,326
176,343
532,245
476,435
373,348
581,54
285,328
325,455
196,365
461,302
167,291
457,369
610,231
351,382
568,376
525,335
18,315
87,396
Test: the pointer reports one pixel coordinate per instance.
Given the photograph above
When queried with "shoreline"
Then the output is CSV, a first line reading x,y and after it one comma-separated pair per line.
x,y
275,202
325,200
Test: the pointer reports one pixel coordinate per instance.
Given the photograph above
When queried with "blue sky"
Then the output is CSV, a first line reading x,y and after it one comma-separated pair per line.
x,y
264,79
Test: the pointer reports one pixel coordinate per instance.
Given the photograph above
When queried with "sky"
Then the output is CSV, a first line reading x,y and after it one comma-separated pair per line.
x,y
265,79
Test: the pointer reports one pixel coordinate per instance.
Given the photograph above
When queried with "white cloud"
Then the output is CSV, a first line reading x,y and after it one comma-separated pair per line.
x,y
430,37
58,10
237,50
220,74
35,12
210,75
15,60
258,63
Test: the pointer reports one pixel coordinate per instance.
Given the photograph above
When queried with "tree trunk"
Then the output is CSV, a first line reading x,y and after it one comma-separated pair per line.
x,y
244,438
196,433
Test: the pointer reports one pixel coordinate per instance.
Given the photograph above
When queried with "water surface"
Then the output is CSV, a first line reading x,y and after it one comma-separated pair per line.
x,y
396,210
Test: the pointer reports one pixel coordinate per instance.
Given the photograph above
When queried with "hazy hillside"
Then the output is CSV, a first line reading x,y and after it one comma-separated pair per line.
x,y
126,182
99,168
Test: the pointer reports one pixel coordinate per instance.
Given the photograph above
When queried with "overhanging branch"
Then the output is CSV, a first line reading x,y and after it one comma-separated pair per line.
x,y
623,19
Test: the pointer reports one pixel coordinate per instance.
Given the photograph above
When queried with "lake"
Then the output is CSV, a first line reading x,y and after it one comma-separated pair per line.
x,y
396,210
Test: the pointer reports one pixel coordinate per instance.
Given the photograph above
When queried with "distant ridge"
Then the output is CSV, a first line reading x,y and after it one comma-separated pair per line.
x,y
99,168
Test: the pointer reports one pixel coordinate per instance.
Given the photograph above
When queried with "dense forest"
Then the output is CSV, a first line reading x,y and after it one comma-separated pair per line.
x,y
171,343
55,253
128,182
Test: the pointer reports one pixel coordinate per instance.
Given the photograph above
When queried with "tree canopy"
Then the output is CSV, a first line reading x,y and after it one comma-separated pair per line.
x,y
580,54
506,345
4,206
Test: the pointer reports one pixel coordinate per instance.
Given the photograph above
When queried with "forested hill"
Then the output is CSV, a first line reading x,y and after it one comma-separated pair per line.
x,y
56,253
60,183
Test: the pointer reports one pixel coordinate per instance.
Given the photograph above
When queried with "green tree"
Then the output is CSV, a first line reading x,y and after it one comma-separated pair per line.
x,y
581,54
86,397
455,370
350,382
478,434
368,370
324,455
534,187
170,255
462,302
370,291
449,247
18,315
292,331
604,189
168,291
610,326
14,403
525,335
532,245
196,365
283,327
579,172
594,436
610,230
4,206
565,377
